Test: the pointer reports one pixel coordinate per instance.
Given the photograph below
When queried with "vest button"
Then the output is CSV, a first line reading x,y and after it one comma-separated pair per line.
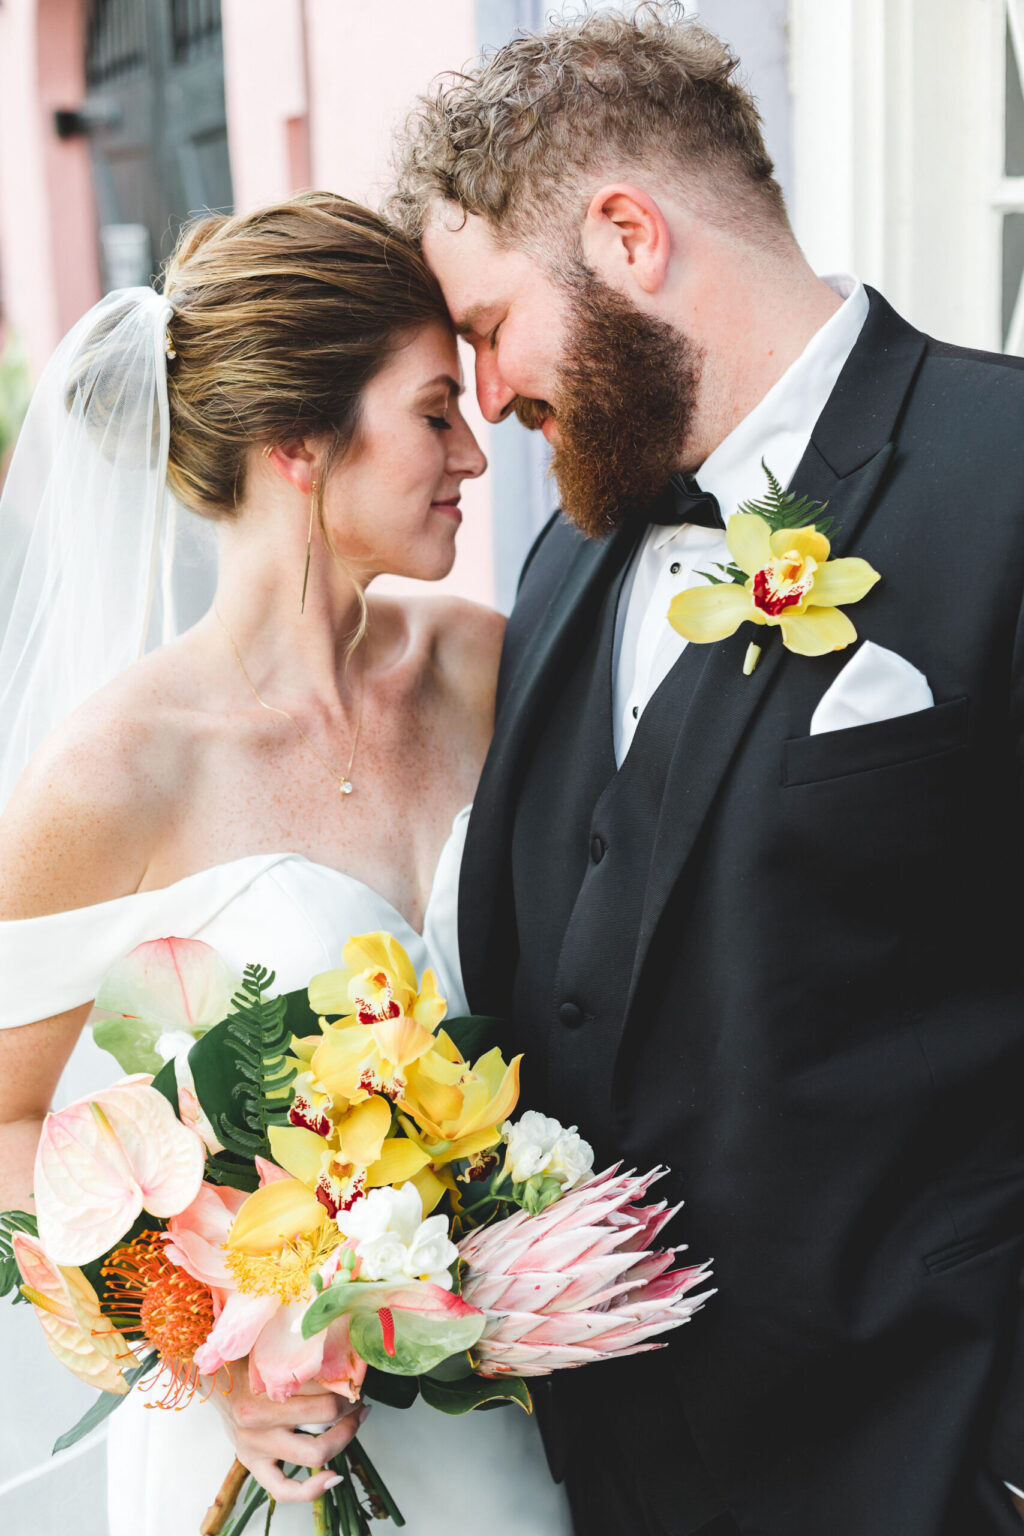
x,y
571,1015
598,848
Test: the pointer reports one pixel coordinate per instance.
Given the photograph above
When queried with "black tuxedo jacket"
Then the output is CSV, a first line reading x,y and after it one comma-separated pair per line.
x,y
792,968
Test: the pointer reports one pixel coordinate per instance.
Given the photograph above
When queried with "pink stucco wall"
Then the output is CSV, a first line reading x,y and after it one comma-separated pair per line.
x,y
330,79
313,88
48,259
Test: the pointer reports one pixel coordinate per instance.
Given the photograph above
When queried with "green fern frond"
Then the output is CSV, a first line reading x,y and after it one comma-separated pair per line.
x,y
783,509
10,1275
260,1037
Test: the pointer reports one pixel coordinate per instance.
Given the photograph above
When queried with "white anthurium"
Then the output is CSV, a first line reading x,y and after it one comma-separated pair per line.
x,y
153,1005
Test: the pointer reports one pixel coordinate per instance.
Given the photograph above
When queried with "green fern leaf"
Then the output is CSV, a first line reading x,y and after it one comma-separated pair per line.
x,y
260,1037
784,509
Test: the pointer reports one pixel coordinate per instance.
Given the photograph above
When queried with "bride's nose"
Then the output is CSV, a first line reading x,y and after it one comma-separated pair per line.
x,y
465,456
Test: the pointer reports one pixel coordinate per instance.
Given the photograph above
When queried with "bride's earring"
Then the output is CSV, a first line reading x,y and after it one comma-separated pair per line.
x,y
309,545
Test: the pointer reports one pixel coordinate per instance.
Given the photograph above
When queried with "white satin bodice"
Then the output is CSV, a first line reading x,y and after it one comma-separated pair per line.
x,y
280,910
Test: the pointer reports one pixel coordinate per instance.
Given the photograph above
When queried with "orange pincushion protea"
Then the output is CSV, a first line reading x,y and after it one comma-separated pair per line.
x,y
169,1308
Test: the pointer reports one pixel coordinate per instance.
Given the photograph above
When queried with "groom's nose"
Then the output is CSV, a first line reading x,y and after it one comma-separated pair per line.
x,y
494,395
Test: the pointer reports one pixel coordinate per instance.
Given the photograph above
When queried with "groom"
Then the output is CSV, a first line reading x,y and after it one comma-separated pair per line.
x,y
761,925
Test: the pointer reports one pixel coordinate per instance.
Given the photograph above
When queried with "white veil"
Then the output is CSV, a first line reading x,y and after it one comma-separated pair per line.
x,y
97,565
93,546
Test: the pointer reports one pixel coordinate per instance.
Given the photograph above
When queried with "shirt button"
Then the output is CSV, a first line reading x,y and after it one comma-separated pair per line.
x,y
636,711
675,568
571,1015
598,847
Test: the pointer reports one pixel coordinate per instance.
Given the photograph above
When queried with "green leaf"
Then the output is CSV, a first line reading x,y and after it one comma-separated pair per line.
x,y
454,1368
10,1275
463,1396
302,1021
131,1042
166,1083
395,1391
104,1406
422,1339
476,1034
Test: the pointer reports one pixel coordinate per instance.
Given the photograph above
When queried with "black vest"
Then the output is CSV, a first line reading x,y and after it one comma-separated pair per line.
x,y
585,835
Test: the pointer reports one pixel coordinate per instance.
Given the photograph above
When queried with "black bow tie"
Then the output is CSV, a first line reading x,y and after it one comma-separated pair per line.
x,y
683,501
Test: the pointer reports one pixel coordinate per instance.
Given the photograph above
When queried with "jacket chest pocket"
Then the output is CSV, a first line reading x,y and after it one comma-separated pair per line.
x,y
880,745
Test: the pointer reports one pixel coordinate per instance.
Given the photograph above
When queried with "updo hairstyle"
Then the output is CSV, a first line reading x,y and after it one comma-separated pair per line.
x,y
281,318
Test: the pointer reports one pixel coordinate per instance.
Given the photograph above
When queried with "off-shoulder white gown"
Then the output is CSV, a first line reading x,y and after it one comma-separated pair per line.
x,y
483,1473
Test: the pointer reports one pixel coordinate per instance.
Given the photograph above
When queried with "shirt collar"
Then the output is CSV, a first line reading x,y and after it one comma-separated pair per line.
x,y
779,427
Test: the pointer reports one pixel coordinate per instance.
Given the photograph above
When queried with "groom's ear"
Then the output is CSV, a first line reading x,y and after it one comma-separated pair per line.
x,y
626,239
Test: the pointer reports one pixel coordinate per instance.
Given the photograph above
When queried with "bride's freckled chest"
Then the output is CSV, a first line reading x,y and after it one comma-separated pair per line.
x,y
254,785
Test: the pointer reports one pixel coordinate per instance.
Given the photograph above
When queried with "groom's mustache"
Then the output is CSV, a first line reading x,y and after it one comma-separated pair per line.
x,y
532,413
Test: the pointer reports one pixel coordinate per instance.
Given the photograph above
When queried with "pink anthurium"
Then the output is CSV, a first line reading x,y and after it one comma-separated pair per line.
x,y
105,1159
67,1307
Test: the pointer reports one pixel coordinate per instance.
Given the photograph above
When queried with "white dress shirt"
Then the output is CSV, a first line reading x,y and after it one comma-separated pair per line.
x,y
777,430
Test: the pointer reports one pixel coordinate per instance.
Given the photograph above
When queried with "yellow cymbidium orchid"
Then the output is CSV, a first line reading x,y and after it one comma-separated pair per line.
x,y
378,982
453,1102
358,1155
354,1061
792,583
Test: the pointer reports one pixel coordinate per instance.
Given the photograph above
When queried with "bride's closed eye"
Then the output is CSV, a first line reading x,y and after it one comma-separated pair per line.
x,y
440,422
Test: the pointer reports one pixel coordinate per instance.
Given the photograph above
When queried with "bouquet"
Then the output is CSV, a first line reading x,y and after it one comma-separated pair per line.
x,y
330,1184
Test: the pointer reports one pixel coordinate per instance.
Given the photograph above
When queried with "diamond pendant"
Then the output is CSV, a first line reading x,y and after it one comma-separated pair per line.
x,y
345,787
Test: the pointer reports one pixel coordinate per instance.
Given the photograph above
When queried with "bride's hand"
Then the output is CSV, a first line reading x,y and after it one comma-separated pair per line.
x,y
266,1433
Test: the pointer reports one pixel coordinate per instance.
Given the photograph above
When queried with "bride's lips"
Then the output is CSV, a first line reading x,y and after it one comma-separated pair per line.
x,y
451,507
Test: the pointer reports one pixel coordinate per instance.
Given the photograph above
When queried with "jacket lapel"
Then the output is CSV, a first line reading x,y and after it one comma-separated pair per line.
x,y
845,462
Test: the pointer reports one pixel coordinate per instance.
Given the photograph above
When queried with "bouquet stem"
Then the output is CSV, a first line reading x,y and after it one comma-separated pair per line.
x,y
224,1503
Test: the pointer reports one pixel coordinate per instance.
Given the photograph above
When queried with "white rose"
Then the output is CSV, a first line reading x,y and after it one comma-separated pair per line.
x,y
530,1142
398,1211
571,1160
382,1258
431,1253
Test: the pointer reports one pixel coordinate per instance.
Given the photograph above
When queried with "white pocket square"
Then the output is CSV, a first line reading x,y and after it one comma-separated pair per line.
x,y
875,684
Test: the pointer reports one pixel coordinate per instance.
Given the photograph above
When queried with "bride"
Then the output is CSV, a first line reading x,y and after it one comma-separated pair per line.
x,y
291,769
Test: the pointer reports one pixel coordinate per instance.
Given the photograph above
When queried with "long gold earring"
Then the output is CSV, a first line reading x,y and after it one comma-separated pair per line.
x,y
309,544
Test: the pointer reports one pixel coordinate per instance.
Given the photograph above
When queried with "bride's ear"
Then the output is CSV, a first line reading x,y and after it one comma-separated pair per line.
x,y
293,461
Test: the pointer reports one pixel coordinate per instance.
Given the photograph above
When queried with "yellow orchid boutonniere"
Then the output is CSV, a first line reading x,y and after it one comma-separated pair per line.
x,y
781,575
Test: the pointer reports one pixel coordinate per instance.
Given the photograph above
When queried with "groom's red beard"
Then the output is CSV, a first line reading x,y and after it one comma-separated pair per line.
x,y
625,403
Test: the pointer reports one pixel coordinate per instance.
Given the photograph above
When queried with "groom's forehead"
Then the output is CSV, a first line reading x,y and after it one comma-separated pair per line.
x,y
475,272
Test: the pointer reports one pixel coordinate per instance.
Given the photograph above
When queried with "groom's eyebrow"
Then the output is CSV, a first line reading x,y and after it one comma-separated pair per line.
x,y
470,320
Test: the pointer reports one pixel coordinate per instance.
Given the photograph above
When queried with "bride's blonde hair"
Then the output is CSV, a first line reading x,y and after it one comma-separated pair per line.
x,y
281,318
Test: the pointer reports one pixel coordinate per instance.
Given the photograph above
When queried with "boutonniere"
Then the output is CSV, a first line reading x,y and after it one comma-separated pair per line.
x,y
780,574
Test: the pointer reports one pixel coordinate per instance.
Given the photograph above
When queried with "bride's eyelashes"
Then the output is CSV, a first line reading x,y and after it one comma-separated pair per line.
x,y
440,422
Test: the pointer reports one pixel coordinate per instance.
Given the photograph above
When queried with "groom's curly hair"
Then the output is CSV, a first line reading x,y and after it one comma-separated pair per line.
x,y
522,132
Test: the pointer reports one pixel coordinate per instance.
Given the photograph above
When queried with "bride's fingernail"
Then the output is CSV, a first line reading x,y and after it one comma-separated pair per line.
x,y
332,1482
364,1412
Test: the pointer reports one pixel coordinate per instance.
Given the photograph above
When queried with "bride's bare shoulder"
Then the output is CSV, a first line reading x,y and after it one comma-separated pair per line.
x,y
459,640
89,808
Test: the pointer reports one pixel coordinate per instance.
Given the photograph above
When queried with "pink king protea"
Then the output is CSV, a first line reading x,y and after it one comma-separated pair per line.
x,y
581,1281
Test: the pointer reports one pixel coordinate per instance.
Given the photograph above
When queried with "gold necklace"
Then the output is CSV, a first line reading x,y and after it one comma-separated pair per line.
x,y
343,781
